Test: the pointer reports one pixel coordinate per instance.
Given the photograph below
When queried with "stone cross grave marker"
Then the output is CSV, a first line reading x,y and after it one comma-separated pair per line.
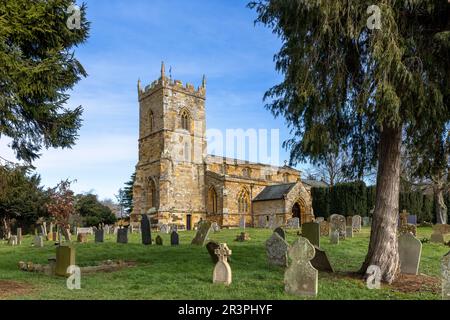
x,y
334,237
277,250
311,231
122,235
446,277
174,238
280,232
300,277
410,250
356,223
202,234
146,231
222,270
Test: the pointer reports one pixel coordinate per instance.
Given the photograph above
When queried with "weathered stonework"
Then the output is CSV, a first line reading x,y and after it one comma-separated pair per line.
x,y
176,177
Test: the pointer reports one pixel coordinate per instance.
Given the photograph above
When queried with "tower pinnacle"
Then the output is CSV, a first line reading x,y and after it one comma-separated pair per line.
x,y
163,70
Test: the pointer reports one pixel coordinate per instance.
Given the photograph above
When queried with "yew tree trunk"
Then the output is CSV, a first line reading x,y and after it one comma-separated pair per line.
x,y
383,248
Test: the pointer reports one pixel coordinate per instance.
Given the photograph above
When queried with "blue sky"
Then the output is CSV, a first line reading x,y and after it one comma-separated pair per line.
x,y
128,40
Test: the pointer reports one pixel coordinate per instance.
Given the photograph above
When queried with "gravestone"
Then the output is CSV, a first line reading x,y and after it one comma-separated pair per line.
x,y
349,232
146,231
412,219
277,250
293,223
280,232
164,229
211,247
409,250
244,236
366,221
202,234
12,241
334,237
337,222
99,235
215,227
174,239
320,219
222,270
65,257
85,230
39,241
311,231
321,261
82,238
324,229
445,265
159,241
349,221
122,235
356,223
441,233
300,277
19,235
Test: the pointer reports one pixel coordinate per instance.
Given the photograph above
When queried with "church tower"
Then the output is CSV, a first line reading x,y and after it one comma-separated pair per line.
x,y
170,174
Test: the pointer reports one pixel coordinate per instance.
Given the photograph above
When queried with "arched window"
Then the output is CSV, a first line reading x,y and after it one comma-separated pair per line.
x,y
185,120
212,200
243,202
151,121
151,198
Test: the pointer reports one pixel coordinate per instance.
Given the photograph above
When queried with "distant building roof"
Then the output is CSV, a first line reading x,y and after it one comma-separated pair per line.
x,y
275,192
315,183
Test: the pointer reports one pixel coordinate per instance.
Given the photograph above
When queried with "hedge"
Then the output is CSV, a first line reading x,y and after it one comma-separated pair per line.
x,y
355,198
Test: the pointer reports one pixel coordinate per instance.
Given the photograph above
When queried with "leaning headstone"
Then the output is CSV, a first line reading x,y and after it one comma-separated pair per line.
x,y
174,239
122,235
311,231
202,234
293,223
277,250
356,223
409,250
65,257
349,232
99,235
324,229
19,236
159,241
39,241
280,232
146,231
337,222
12,241
334,237
300,277
222,270
211,247
321,261
446,277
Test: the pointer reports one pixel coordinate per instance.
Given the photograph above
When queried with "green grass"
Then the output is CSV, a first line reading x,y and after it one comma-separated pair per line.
x,y
185,272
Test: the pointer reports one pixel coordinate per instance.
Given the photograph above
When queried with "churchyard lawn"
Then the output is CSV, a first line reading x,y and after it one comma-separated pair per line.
x,y
185,272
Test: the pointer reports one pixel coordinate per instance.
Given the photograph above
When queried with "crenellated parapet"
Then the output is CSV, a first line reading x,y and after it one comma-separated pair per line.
x,y
175,85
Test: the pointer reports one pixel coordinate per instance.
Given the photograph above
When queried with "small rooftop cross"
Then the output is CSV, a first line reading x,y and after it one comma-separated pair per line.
x,y
223,252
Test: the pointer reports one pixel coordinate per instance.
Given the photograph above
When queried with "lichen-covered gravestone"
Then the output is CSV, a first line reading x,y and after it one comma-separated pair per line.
x,y
356,223
300,277
146,232
293,223
222,270
337,222
202,233
277,250
446,277
311,231
324,229
410,250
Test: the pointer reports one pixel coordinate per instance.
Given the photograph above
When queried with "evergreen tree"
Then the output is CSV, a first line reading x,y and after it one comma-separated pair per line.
x,y
37,69
349,85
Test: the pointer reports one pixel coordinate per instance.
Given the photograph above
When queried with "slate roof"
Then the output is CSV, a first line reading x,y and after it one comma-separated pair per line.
x,y
315,183
275,192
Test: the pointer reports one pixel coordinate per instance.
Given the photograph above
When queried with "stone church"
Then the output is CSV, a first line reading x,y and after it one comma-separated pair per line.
x,y
179,183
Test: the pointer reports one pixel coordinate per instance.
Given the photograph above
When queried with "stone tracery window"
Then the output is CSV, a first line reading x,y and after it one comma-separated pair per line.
x,y
243,202
212,200
185,120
